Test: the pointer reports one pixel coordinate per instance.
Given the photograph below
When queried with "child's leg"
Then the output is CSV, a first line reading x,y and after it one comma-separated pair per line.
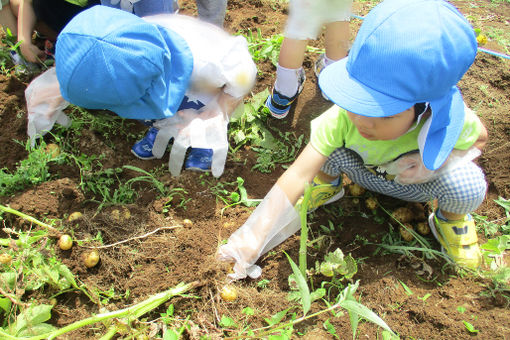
x,y
7,17
212,11
152,7
336,40
291,57
458,191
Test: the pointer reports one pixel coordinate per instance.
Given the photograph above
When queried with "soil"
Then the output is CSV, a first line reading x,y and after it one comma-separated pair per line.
x,y
186,253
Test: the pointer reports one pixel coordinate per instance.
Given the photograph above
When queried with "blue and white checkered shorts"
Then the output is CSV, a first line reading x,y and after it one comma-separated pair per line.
x,y
460,190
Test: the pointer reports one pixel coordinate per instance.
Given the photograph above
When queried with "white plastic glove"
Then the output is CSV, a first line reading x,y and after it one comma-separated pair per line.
x,y
409,169
45,105
206,129
271,223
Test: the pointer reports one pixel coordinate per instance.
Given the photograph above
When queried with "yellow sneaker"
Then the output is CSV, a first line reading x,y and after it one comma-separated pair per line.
x,y
461,240
324,193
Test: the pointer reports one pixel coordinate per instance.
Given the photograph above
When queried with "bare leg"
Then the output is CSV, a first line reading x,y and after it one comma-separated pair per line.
x,y
451,216
292,53
337,39
8,15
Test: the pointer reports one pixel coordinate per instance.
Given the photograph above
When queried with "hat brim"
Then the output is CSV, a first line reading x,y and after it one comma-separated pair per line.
x,y
353,96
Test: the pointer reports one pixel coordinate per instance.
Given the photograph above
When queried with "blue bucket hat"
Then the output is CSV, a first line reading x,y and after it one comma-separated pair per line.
x,y
110,59
408,52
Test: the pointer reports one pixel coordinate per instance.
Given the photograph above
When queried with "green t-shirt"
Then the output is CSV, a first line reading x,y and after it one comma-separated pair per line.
x,y
333,129
81,3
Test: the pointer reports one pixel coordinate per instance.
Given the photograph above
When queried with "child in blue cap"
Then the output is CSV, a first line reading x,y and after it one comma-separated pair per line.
x,y
184,75
399,127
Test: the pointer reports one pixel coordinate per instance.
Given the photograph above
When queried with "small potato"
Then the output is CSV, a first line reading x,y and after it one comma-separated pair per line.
x,y
91,258
52,149
403,215
187,221
228,293
74,216
405,233
65,242
5,258
371,203
423,228
356,190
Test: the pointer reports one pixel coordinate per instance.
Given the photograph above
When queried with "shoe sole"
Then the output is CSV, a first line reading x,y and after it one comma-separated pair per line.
x,y
334,198
197,169
143,158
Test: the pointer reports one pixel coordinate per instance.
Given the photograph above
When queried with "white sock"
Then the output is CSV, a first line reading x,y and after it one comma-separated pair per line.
x,y
287,80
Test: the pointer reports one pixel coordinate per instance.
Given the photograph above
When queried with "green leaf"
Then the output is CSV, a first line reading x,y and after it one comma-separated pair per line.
x,y
470,327
275,319
38,329
306,300
170,334
5,304
367,314
32,316
227,322
8,279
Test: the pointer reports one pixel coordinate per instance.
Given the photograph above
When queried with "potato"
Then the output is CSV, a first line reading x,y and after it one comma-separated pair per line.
x,y
65,242
52,149
405,233
74,216
120,216
5,258
91,258
423,228
371,203
403,215
228,293
356,190
187,221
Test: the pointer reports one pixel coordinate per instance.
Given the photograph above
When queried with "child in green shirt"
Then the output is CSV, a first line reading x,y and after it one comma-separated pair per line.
x,y
400,128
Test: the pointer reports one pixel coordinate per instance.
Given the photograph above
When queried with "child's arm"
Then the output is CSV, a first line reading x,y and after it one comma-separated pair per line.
x,y
274,220
26,24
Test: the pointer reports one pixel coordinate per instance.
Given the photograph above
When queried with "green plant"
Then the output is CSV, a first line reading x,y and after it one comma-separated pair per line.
x,y
30,171
282,151
177,197
470,327
262,48
241,197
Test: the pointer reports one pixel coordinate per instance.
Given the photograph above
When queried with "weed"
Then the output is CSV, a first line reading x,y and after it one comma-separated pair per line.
x,y
262,48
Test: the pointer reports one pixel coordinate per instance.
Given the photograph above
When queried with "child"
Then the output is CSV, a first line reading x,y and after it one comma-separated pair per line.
x,y
48,17
400,128
152,68
306,18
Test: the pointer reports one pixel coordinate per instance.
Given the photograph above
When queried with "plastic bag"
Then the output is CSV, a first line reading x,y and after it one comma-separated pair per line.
x,y
45,105
271,223
206,129
409,169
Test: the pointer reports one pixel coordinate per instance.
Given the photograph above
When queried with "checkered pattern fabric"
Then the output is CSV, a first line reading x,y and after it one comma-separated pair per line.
x,y
460,190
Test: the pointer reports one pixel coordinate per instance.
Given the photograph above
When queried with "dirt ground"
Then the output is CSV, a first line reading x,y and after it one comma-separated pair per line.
x,y
149,265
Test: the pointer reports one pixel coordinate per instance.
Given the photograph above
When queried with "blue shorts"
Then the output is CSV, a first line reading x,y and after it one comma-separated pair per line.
x,y
460,190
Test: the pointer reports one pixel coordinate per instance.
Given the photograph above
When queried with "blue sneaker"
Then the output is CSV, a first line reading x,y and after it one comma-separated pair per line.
x,y
199,160
143,148
278,104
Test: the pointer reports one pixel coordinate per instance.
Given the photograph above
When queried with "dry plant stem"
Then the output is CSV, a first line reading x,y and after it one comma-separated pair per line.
x,y
26,217
13,300
135,237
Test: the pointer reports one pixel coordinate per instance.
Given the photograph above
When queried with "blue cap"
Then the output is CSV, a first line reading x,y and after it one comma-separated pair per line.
x,y
408,52
110,59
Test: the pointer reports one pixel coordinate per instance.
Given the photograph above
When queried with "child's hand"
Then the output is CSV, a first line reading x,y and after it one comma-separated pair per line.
x,y
31,52
274,220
